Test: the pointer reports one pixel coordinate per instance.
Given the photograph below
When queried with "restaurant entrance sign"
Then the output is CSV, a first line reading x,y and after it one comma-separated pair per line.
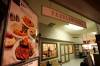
x,y
50,12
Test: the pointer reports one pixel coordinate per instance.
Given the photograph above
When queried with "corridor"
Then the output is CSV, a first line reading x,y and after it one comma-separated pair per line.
x,y
73,62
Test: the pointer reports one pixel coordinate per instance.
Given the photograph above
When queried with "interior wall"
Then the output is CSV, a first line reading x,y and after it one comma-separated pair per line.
x,y
98,28
54,33
77,38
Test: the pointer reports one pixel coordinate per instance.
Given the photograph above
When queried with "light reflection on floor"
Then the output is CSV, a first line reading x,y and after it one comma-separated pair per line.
x,y
73,62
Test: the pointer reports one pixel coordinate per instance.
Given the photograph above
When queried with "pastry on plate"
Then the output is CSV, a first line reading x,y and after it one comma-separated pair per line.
x,y
24,50
9,40
28,21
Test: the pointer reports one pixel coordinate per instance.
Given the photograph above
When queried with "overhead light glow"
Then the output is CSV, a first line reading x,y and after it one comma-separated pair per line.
x,y
74,27
94,33
87,46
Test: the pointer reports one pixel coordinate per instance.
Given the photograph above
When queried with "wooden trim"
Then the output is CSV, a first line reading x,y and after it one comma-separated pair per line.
x,y
72,49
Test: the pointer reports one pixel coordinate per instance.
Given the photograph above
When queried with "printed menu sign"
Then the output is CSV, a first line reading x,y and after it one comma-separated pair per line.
x,y
21,32
50,12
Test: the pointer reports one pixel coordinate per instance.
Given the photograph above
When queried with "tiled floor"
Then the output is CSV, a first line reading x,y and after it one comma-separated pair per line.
x,y
73,62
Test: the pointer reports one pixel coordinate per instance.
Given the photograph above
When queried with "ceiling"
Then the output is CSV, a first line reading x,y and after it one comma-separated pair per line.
x,y
88,8
84,7
79,5
91,27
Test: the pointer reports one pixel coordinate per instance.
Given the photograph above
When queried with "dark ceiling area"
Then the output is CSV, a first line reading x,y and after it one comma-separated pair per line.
x,y
94,3
87,8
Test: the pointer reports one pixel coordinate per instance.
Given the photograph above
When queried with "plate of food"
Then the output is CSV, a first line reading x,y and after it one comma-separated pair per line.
x,y
32,32
10,40
18,30
24,49
27,21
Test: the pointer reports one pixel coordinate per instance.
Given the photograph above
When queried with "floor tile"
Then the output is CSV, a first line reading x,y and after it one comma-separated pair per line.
x,y
73,62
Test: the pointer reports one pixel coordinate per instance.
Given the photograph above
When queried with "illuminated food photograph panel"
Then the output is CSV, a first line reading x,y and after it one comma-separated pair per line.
x,y
21,33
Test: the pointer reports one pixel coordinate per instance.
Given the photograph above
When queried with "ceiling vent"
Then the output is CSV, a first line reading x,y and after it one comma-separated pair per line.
x,y
75,37
51,24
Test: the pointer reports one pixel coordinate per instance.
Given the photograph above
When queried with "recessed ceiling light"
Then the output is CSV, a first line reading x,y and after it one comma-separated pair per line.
x,y
74,27
94,33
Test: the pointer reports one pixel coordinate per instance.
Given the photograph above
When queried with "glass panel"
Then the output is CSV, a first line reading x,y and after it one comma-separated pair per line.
x,y
45,51
70,48
63,58
66,49
62,49
67,57
49,50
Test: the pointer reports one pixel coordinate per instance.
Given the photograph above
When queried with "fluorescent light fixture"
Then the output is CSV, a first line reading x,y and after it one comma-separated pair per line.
x,y
74,27
94,33
87,46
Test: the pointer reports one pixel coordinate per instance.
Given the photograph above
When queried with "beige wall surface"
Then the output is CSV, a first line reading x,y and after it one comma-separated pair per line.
x,y
54,33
